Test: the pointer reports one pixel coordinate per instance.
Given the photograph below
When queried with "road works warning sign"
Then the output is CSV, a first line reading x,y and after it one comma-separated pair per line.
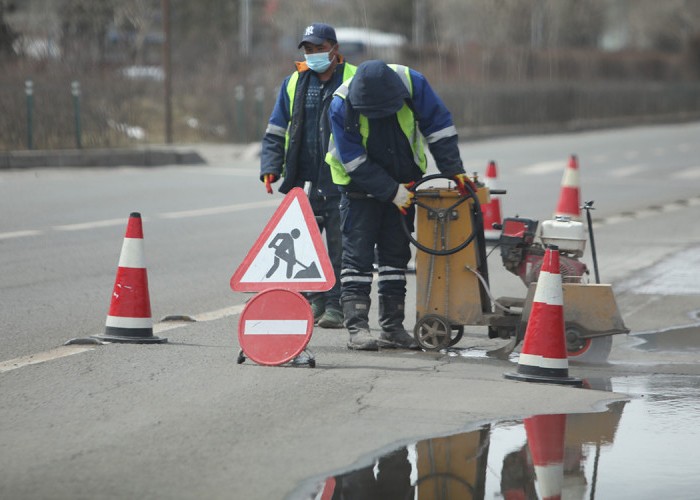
x,y
289,253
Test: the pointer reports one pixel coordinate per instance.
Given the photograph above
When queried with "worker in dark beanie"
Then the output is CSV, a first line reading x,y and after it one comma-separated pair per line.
x,y
381,119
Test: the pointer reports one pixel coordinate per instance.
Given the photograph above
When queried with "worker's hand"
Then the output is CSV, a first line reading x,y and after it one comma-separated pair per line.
x,y
404,198
268,179
463,181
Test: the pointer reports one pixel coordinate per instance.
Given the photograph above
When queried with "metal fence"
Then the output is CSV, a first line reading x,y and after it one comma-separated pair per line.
x,y
66,113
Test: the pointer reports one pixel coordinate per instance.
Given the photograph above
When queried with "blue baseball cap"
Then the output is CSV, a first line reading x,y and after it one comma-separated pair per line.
x,y
317,33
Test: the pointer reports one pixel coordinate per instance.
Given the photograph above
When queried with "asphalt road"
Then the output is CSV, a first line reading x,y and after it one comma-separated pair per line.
x,y
183,420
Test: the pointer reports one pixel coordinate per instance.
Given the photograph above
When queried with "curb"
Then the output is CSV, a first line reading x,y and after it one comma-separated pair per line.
x,y
99,158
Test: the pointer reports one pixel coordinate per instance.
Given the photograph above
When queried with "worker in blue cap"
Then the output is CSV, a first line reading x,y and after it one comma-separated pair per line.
x,y
295,144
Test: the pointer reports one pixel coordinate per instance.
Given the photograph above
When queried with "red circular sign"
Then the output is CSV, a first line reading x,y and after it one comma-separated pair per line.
x,y
275,326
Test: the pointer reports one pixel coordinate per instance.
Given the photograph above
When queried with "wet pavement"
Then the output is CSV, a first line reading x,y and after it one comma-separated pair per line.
x,y
641,448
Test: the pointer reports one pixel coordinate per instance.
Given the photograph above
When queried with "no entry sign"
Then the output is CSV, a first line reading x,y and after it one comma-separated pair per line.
x,y
275,326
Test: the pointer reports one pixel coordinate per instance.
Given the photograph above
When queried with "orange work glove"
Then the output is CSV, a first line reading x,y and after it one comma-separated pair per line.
x,y
463,181
268,179
404,198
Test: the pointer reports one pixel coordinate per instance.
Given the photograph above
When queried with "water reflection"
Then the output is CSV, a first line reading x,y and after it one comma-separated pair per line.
x,y
647,454
552,453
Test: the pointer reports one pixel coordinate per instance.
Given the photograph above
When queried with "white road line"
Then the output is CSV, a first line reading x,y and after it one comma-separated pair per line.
x,y
165,215
69,350
234,172
626,171
90,225
33,359
19,234
544,167
219,210
688,173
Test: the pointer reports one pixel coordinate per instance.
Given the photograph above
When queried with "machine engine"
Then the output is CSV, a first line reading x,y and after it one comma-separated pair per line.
x,y
522,248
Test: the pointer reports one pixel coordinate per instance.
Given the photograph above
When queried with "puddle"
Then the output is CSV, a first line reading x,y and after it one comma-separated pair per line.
x,y
641,448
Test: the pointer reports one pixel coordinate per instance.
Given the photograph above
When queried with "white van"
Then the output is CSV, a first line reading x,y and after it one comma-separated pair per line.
x,y
358,44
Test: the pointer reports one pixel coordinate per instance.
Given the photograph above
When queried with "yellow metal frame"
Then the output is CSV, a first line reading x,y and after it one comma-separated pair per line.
x,y
444,284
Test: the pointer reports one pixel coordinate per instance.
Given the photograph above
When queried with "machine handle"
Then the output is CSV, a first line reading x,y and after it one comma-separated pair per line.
x,y
475,213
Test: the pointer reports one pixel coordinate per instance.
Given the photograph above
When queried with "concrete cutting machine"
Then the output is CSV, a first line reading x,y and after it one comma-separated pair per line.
x,y
452,276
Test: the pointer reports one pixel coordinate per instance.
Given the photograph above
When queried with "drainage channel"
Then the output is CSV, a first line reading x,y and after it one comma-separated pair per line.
x,y
641,448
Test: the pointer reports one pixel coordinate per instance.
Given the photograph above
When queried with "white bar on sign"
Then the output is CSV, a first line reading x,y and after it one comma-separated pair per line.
x,y
276,326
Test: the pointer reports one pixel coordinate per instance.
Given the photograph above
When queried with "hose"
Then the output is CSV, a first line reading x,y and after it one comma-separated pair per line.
x,y
511,310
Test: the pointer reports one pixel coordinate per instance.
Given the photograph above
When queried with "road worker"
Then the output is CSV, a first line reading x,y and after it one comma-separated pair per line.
x,y
295,144
380,120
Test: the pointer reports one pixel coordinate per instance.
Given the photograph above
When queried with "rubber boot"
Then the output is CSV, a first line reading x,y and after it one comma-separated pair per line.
x,y
356,313
391,316
318,304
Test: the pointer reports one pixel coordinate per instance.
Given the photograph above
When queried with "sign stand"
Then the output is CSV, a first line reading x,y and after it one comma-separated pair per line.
x,y
287,258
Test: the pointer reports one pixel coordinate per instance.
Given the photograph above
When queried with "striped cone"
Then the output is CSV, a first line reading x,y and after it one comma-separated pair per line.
x,y
492,210
545,438
569,203
129,317
543,357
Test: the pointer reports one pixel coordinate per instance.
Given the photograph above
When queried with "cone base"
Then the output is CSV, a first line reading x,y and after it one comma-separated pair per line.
x,y
543,379
132,336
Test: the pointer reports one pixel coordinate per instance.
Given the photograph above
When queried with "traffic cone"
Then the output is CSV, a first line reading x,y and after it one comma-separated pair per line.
x,y
129,317
569,203
543,357
491,211
545,438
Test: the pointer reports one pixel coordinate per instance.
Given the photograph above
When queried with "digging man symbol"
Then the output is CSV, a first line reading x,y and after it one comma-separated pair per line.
x,y
283,243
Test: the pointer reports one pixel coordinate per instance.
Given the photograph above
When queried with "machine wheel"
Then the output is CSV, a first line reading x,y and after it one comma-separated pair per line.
x,y
458,336
241,357
433,332
586,350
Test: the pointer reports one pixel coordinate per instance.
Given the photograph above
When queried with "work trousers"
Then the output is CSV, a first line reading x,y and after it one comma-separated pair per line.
x,y
368,225
327,209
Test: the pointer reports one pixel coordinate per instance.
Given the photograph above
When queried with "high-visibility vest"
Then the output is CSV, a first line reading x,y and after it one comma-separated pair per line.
x,y
348,72
407,122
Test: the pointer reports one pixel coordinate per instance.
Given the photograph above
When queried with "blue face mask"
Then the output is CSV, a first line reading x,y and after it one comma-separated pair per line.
x,y
318,62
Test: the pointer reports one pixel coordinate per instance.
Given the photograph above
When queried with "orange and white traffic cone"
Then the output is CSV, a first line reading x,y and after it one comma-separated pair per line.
x,y
543,357
491,211
569,204
129,317
545,438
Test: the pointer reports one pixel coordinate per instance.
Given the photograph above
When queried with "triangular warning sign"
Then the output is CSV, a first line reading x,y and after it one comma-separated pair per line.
x,y
289,253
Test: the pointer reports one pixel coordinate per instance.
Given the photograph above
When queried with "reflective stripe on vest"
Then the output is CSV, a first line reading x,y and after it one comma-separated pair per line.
x,y
407,122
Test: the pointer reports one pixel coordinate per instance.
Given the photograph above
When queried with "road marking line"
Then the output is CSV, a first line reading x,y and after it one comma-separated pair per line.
x,y
235,172
33,359
63,351
688,173
19,234
626,171
89,225
219,210
165,215
544,167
